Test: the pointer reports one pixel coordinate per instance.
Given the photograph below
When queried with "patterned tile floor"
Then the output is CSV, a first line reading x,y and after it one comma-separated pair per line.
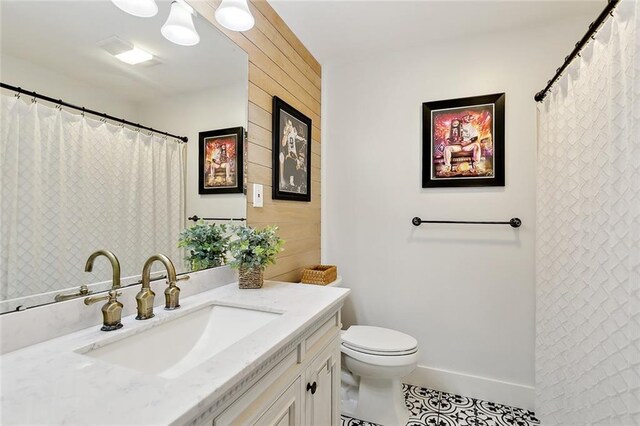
x,y
435,408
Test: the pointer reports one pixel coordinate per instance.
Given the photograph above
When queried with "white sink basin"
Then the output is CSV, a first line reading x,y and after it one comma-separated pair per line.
x,y
175,347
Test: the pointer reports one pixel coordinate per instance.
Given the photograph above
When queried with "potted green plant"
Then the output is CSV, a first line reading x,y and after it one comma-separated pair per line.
x,y
206,245
252,251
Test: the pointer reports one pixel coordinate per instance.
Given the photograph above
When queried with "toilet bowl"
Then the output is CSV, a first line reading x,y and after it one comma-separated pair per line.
x,y
374,360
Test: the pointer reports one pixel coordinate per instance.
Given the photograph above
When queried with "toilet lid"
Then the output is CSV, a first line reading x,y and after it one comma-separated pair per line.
x,y
378,340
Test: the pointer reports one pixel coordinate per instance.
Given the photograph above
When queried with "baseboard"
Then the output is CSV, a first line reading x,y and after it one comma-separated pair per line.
x,y
484,388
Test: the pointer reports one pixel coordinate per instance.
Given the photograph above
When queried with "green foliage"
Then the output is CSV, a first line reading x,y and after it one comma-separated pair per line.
x,y
255,247
206,245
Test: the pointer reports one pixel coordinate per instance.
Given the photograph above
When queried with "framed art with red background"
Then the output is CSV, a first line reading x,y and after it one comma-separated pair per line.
x,y
463,142
221,161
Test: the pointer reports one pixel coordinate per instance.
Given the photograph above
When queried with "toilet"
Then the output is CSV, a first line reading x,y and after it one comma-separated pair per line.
x,y
374,360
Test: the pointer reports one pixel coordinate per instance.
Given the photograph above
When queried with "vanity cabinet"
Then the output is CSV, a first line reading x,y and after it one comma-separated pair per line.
x,y
322,387
301,388
286,411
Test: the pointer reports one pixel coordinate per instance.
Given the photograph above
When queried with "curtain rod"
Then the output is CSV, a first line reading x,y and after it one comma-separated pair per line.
x,y
593,28
89,111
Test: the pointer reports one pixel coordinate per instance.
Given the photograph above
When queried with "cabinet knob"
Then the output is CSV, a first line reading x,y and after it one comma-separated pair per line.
x,y
312,387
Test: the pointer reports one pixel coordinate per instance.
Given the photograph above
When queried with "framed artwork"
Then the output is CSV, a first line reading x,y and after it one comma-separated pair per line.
x,y
221,161
291,153
463,142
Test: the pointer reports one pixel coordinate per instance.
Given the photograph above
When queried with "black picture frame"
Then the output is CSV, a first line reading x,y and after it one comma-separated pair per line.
x,y
444,153
291,168
210,180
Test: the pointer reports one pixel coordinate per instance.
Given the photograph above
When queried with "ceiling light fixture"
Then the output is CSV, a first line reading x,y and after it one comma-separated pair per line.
x,y
235,15
140,8
134,56
179,27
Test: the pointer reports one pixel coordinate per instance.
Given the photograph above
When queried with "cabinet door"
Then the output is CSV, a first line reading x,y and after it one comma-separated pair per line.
x,y
323,388
286,411
249,408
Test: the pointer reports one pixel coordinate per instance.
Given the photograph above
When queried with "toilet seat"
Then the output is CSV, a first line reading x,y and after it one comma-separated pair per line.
x,y
379,346
381,361
378,341
380,353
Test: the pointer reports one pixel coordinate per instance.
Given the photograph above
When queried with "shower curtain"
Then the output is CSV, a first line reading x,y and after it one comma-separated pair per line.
x,y
588,234
70,185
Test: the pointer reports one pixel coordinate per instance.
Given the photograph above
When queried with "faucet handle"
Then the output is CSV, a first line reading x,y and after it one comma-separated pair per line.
x,y
95,299
172,293
112,294
82,291
111,311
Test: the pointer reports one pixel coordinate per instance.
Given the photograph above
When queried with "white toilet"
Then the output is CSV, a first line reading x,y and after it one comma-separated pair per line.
x,y
374,360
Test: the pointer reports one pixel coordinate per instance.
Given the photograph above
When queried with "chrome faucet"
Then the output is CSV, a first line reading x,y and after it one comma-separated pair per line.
x,y
115,265
145,296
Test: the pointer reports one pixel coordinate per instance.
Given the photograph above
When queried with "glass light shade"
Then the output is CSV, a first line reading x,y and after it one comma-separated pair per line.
x,y
141,8
235,15
179,27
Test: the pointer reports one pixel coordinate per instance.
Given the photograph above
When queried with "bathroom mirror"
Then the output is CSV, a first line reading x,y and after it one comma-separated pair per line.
x,y
74,182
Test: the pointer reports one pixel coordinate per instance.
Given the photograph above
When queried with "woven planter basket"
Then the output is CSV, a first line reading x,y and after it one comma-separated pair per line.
x,y
319,274
251,277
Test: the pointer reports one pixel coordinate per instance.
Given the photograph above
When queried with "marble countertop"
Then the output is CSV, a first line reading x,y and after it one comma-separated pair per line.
x,y
49,383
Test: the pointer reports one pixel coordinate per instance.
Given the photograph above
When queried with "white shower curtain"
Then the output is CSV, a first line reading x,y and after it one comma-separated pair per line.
x,y
70,185
588,234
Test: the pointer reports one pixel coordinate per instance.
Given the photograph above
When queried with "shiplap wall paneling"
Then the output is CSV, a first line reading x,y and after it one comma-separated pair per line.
x,y
279,65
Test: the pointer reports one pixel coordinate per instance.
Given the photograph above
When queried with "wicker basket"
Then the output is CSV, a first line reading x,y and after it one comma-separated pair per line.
x,y
251,277
320,274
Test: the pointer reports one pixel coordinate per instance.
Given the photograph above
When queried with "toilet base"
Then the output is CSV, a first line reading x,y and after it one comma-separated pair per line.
x,y
381,401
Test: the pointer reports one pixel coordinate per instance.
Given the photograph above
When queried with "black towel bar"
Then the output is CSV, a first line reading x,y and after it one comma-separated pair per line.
x,y
514,222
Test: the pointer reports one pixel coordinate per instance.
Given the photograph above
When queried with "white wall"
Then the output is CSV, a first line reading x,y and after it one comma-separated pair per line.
x,y
189,114
465,292
34,77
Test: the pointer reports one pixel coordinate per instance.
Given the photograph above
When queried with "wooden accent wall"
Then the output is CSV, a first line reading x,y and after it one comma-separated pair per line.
x,y
279,65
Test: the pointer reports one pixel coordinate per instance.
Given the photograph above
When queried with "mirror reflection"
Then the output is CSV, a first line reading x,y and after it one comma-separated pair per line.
x,y
117,175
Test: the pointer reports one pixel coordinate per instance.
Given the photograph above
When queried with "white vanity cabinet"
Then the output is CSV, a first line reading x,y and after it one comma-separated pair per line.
x,y
286,411
300,387
323,387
